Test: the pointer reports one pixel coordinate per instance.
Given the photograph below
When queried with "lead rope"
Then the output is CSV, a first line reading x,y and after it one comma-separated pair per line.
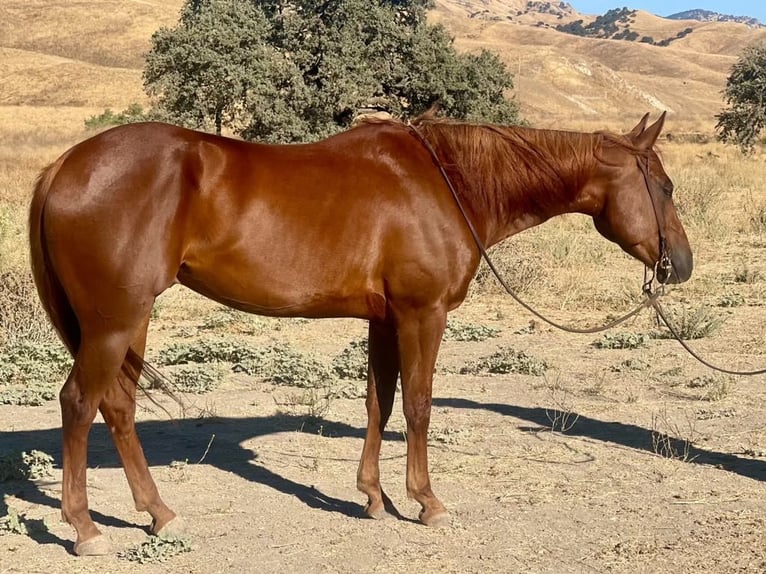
x,y
652,297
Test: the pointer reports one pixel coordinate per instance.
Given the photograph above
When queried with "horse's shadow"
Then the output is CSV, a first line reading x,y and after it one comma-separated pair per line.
x,y
166,441
628,435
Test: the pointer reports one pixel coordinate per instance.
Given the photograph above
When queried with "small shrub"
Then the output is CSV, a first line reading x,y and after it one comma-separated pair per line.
x,y
669,440
288,367
156,550
282,365
351,363
506,360
11,523
744,274
731,300
690,323
207,351
622,340
755,212
232,321
456,331
521,272
25,465
716,386
313,402
198,379
31,373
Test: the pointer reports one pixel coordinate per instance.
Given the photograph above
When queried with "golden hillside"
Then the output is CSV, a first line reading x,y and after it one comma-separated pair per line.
x,y
87,56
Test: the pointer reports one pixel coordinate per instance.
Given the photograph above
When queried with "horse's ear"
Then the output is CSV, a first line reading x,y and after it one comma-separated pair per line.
x,y
649,136
639,129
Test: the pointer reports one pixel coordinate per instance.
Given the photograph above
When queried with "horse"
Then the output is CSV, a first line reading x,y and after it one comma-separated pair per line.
x,y
362,224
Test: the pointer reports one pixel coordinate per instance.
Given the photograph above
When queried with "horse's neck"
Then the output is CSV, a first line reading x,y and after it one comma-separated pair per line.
x,y
539,176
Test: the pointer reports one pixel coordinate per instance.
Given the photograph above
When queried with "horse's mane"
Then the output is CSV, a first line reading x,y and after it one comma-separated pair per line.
x,y
540,168
499,166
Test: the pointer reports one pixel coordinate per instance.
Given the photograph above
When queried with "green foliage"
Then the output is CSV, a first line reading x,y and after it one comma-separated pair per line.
x,y
506,360
132,114
11,523
288,367
31,373
745,115
299,70
207,351
457,331
351,363
622,340
25,465
608,26
604,26
156,549
198,379
278,364
691,323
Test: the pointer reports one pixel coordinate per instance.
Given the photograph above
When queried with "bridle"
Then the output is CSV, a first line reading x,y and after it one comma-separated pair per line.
x,y
651,275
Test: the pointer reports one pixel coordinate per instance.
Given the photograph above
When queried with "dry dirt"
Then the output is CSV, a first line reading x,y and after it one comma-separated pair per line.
x,y
275,490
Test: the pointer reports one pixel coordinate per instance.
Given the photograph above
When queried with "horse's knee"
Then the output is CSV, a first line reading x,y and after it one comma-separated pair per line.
x,y
417,411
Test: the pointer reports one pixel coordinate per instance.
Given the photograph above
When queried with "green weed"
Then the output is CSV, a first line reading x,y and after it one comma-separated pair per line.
x,y
622,340
25,465
351,363
456,331
506,360
156,550
690,323
198,379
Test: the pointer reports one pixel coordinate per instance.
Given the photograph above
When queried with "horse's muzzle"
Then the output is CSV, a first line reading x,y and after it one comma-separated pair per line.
x,y
680,269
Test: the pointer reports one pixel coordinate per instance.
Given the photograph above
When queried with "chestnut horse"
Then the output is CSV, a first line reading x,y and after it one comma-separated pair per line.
x,y
362,225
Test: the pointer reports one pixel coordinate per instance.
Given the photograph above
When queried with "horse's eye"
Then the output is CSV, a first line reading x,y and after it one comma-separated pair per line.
x,y
667,189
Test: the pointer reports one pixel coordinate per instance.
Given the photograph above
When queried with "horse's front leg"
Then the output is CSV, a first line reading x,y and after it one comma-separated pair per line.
x,y
419,333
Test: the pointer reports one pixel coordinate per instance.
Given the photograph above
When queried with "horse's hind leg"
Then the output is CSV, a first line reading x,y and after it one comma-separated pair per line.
x,y
97,363
383,370
118,407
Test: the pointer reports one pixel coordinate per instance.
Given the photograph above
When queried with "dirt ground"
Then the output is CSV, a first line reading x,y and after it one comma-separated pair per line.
x,y
593,467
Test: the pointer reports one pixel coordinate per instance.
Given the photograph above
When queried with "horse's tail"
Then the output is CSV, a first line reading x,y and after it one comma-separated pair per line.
x,y
49,288
52,295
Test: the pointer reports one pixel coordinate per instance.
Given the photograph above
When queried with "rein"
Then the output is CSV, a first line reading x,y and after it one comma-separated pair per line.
x,y
652,297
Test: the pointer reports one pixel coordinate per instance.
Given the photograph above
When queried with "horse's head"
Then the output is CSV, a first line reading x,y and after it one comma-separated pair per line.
x,y
631,199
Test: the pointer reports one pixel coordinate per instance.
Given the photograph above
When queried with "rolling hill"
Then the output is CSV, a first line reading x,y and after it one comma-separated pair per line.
x,y
87,55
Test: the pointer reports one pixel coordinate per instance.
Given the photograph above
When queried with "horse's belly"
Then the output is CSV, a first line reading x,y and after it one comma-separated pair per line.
x,y
288,292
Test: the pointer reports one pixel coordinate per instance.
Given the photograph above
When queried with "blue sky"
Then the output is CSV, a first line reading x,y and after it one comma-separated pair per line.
x,y
754,8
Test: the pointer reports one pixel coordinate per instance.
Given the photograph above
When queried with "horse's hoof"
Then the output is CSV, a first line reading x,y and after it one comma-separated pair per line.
x,y
99,545
376,511
435,518
175,528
